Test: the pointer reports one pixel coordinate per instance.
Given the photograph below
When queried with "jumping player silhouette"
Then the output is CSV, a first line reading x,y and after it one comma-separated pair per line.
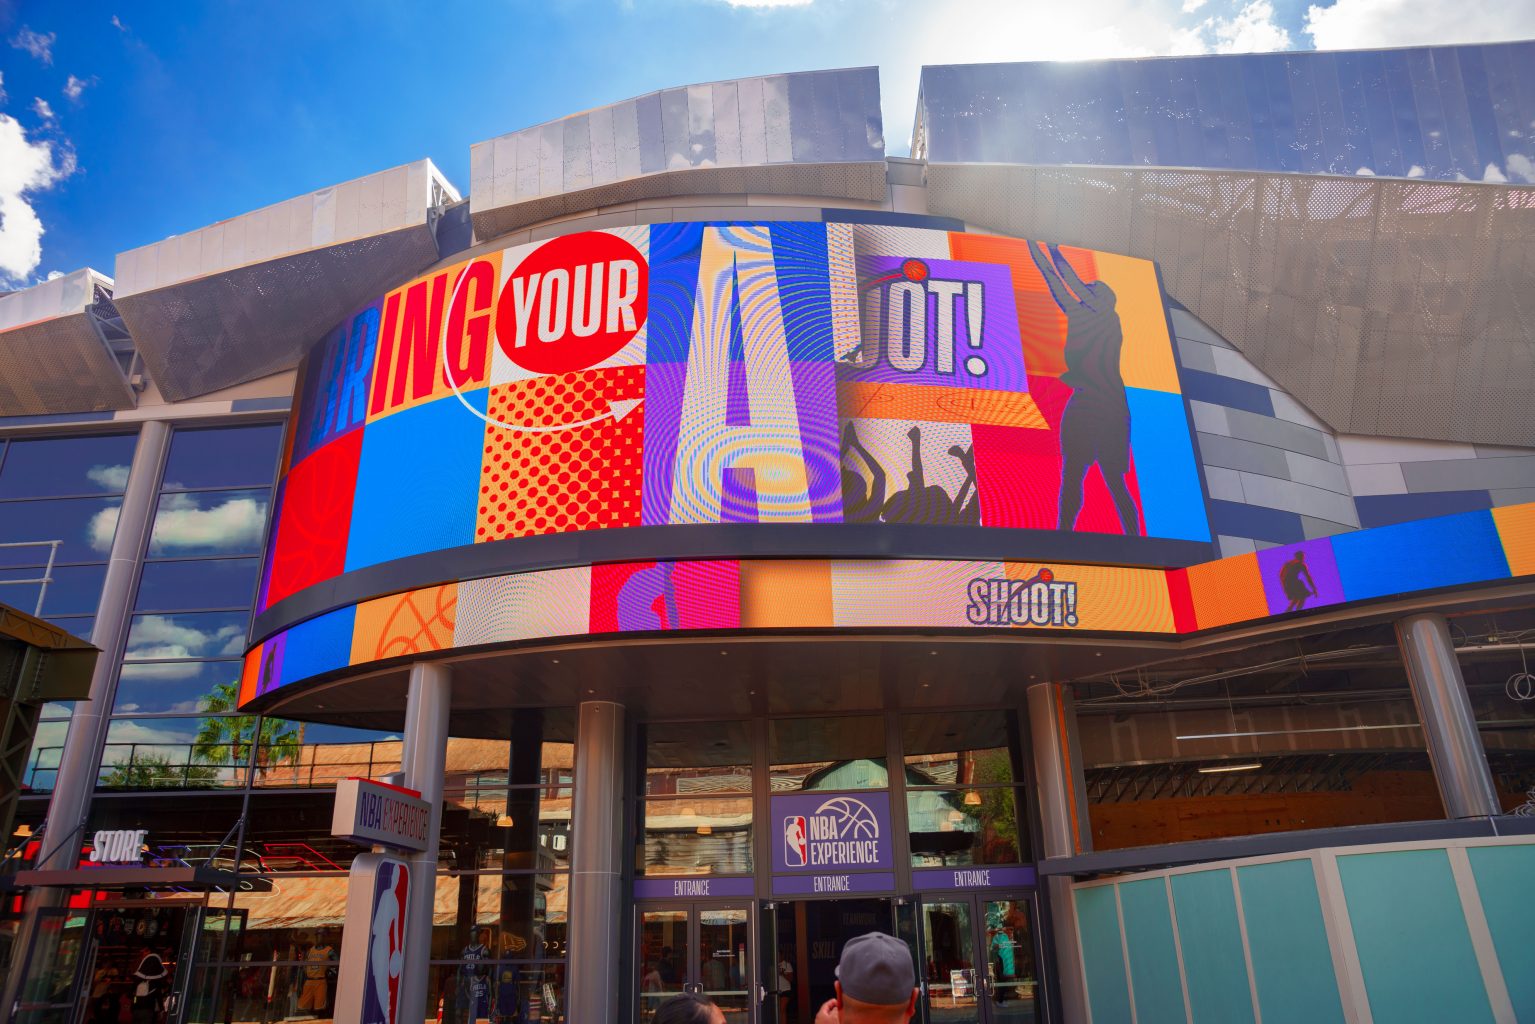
x,y
1296,582
860,504
920,502
1095,426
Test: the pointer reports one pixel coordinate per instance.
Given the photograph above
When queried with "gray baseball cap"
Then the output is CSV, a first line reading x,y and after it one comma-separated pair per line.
x,y
876,968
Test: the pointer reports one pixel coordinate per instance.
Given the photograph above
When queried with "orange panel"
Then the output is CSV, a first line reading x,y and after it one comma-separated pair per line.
x,y
399,625
1147,358
250,675
1227,591
1110,597
1516,526
786,594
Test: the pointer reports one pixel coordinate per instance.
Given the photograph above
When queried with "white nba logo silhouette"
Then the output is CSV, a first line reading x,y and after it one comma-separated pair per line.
x,y
795,852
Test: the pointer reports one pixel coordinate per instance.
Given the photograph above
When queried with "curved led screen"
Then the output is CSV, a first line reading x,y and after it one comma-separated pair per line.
x,y
783,373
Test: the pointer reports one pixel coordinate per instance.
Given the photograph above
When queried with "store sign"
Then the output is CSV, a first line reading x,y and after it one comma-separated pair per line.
x,y
373,940
118,846
973,878
831,832
368,812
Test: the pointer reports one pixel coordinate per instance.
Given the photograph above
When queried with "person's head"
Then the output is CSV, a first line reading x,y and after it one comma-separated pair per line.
x,y
876,983
1300,556
688,1009
482,936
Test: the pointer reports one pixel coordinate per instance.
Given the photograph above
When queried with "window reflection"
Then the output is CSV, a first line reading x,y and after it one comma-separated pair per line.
x,y
211,583
175,753
50,467
209,523
964,748
84,525
206,635
223,457
828,753
74,590
954,827
177,687
696,836
698,757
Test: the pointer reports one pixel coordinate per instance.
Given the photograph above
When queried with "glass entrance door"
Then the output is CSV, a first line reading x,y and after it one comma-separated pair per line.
x,y
51,983
704,948
978,959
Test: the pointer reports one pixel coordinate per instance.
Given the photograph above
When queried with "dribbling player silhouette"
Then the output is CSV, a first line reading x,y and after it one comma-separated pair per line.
x,y
1095,426
1296,582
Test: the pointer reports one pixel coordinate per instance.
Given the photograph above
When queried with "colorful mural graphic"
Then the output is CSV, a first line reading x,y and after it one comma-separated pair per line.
x,y
739,373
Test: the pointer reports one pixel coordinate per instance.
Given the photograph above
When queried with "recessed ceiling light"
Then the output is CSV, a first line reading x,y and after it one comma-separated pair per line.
x,y
1215,768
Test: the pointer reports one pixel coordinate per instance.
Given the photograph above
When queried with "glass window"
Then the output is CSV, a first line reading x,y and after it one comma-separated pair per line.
x,y
209,523
50,467
175,753
954,827
698,757
222,457
696,836
501,917
846,752
475,990
85,525
290,832
969,748
177,687
194,635
74,590
211,583
297,754
520,829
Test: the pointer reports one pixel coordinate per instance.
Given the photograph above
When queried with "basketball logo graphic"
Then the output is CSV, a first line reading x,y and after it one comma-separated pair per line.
x,y
854,819
796,853
386,944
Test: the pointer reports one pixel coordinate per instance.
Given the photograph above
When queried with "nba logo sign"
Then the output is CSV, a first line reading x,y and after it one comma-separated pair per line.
x,y
386,943
795,852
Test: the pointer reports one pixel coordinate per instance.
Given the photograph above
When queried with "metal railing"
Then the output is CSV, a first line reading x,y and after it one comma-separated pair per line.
x,y
47,576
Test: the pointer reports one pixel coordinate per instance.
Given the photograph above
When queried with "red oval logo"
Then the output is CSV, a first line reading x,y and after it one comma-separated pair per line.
x,y
572,303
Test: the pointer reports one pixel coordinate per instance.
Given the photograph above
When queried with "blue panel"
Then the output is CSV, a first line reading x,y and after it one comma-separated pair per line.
x,y
1153,955
1235,519
1165,466
804,289
674,255
1503,875
1414,949
438,447
1227,391
1421,555
1292,965
1212,948
1103,956
320,644
1386,509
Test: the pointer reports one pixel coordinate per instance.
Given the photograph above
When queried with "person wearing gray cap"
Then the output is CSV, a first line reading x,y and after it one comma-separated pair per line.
x,y
876,983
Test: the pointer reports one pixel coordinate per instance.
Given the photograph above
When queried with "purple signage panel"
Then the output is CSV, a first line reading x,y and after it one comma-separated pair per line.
x,y
973,878
829,832
833,885
692,888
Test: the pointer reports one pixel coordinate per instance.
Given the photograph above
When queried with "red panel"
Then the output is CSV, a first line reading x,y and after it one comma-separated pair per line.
x,y
1184,620
315,518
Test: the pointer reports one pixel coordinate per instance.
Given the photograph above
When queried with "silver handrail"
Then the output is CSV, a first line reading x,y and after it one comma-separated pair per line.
x,y
47,576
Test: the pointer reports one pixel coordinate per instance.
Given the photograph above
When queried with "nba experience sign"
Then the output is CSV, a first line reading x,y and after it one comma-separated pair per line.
x,y
830,843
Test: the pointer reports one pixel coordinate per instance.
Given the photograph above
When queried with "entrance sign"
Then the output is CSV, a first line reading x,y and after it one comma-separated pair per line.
x,y
373,940
832,832
833,885
368,812
118,846
967,878
692,888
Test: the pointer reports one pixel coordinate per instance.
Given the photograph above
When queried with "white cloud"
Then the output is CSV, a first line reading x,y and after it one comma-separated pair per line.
x,y
103,528
1190,6
73,87
108,478
1521,168
117,23
1355,24
54,275
182,524
1494,175
162,670
26,167
41,107
769,3
1365,172
38,44
161,636
2,87
1252,29
1416,171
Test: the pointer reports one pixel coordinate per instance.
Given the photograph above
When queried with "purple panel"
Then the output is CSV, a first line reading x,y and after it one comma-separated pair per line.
x,y
692,888
664,383
831,832
738,411
964,357
832,885
973,878
738,499
815,396
270,675
1300,576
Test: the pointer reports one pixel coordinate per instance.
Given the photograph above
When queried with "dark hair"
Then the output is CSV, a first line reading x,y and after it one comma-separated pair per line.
x,y
684,1009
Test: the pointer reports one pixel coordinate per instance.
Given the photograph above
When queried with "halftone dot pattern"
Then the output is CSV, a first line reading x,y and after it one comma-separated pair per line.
x,y
584,478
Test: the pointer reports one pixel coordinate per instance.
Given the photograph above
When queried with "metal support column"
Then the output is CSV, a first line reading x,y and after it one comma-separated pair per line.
x,y
424,755
1449,723
80,760
596,915
1061,796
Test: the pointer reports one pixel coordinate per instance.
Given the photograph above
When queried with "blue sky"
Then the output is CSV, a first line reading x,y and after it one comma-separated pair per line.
x,y
124,123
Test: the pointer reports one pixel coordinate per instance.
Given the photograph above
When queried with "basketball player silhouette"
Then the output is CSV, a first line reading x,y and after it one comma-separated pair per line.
x,y
860,503
923,502
1296,582
1096,424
